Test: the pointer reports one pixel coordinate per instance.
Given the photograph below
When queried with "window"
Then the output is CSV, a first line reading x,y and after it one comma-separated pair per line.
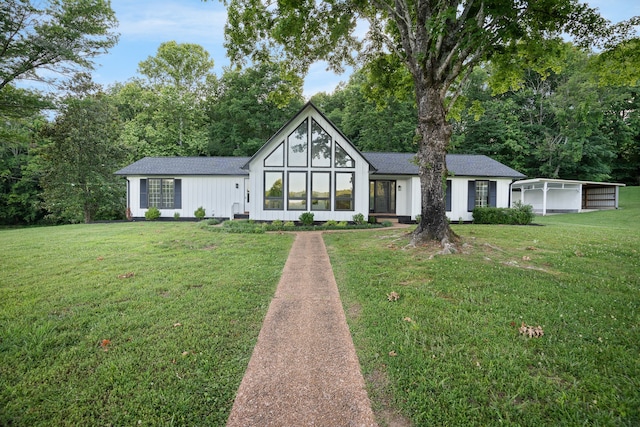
x,y
161,193
482,194
273,191
344,191
297,152
320,146
276,158
297,194
320,191
343,160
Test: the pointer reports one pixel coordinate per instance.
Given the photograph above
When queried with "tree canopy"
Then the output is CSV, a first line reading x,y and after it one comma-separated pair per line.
x,y
440,43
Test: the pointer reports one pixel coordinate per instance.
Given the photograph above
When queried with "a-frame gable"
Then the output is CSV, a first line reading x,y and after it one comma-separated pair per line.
x,y
308,112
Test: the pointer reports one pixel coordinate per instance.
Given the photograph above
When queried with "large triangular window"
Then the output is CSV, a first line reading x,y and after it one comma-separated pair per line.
x,y
320,146
298,145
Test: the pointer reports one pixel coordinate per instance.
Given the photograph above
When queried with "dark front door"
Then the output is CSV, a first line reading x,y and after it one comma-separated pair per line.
x,y
382,196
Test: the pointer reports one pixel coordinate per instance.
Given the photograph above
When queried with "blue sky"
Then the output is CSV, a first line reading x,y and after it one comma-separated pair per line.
x,y
144,24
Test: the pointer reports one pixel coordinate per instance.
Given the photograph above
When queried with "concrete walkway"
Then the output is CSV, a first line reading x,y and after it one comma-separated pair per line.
x,y
304,370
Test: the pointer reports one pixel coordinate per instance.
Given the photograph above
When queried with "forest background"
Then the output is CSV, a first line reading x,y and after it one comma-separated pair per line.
x,y
59,148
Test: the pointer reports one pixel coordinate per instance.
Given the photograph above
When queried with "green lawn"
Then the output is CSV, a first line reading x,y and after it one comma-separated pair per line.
x,y
448,352
179,332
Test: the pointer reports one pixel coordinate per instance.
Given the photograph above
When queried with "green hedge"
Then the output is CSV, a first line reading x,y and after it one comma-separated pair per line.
x,y
518,215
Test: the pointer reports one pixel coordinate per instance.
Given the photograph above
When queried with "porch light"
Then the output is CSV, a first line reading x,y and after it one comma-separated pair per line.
x,y
399,187
237,185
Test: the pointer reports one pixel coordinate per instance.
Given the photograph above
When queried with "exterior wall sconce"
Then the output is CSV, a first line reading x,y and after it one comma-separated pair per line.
x,y
399,187
237,185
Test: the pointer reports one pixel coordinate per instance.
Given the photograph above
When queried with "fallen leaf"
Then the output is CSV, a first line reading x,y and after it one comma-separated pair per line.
x,y
393,296
408,319
100,258
126,275
393,353
530,331
175,325
184,353
526,258
104,344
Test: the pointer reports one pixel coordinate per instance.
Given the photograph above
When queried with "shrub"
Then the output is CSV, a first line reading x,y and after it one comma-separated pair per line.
x,y
372,220
342,224
331,223
358,219
518,215
387,223
306,218
176,215
152,213
289,224
199,213
418,219
212,221
277,224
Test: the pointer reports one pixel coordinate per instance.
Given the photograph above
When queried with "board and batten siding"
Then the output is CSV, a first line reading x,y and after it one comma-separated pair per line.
x,y
218,195
460,196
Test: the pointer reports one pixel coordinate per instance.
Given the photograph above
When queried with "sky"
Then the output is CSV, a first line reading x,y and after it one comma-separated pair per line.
x,y
145,24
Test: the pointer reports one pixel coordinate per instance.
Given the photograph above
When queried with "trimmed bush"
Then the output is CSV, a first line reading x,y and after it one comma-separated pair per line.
x,y
306,218
518,215
199,213
152,213
358,219
331,223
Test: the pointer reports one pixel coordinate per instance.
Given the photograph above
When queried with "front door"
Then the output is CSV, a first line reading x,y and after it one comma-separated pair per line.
x,y
382,196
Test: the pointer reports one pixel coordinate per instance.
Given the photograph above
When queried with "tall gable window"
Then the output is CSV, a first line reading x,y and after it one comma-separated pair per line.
x,y
297,145
309,170
320,146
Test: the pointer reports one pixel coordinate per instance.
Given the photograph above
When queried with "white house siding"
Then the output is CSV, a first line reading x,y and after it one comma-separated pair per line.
x,y
257,170
218,195
459,195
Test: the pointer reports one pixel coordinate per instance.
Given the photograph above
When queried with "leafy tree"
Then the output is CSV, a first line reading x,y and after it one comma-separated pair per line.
x,y
439,43
57,35
79,159
247,107
165,112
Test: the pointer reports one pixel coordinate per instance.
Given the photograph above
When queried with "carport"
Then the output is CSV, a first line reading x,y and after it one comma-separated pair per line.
x,y
564,196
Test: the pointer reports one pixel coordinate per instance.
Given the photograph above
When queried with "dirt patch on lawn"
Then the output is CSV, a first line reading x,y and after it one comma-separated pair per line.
x,y
385,413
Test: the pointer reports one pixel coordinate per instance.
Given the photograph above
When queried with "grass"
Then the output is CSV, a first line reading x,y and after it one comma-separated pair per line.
x,y
448,351
85,342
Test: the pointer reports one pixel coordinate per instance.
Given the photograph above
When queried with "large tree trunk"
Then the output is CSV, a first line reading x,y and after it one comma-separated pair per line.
x,y
435,133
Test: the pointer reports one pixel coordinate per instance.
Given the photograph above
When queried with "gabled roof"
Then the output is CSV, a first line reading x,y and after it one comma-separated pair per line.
x,y
278,134
173,166
457,165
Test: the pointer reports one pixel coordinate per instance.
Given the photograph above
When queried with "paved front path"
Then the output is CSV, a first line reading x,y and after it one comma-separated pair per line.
x,y
304,370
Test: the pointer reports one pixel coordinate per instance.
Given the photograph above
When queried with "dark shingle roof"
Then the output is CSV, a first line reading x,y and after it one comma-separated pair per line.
x,y
383,163
149,166
457,164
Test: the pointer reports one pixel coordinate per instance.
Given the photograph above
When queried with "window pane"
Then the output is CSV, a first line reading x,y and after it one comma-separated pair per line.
x,y
298,185
482,194
298,205
344,191
298,146
273,184
154,193
276,158
343,160
320,146
167,193
273,191
321,191
321,185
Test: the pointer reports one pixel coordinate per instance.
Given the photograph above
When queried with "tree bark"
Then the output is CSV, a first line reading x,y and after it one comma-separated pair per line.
x,y
435,133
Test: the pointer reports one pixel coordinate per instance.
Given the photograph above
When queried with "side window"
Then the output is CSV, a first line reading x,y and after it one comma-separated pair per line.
x,y
344,191
273,190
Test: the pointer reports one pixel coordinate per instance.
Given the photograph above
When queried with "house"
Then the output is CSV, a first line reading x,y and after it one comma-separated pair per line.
x,y
309,166
562,196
